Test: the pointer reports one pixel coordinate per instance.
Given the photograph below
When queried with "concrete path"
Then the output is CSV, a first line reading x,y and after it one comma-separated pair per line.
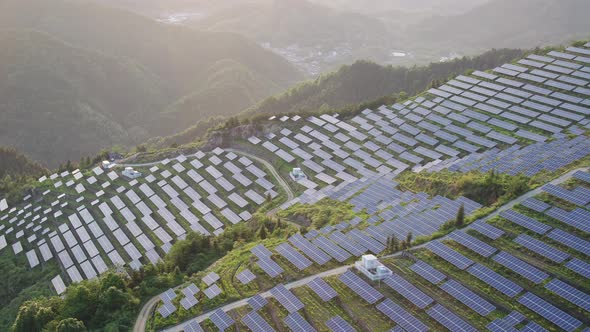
x,y
243,302
271,169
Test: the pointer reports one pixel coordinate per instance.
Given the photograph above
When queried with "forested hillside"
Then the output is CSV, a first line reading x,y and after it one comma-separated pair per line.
x,y
364,81
106,76
351,86
14,164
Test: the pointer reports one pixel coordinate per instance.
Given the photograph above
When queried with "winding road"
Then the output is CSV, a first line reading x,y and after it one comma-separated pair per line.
x,y
148,307
271,169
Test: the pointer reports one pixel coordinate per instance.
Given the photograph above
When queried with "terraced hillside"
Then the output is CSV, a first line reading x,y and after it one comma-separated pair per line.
x,y
529,118
108,220
525,118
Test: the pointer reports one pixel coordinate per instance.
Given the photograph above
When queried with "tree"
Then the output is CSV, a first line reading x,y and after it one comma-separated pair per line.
x,y
409,239
70,325
460,220
394,243
32,316
262,233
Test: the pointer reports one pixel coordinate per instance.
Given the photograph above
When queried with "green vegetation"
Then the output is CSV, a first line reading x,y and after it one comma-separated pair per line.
x,y
367,81
315,216
112,301
485,188
19,283
17,172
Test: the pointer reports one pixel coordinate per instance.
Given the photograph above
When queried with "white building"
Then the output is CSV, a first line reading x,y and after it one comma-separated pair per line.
x,y
131,173
297,174
372,268
3,204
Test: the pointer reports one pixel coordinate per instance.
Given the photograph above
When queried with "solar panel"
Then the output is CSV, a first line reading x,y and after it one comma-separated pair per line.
x,y
570,293
256,323
525,221
506,323
221,320
261,251
487,229
535,204
338,324
293,256
297,323
270,267
473,243
570,240
449,320
584,176
331,249
521,267
408,290
309,249
580,267
579,197
468,297
286,298
549,312
450,255
494,279
167,309
192,326
322,289
212,291
168,295
533,327
246,276
400,316
188,302
257,302
541,248
428,272
361,287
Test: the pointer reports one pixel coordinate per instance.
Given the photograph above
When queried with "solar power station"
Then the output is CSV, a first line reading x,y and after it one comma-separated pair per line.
x,y
523,267
111,221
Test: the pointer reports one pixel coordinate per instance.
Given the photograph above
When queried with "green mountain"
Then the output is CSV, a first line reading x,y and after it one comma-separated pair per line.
x,y
93,76
366,81
493,24
350,87
60,102
14,164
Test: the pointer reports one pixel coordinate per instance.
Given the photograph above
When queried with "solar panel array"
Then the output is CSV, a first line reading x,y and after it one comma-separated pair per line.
x,y
494,279
338,324
286,298
569,293
448,319
450,255
256,323
400,316
117,221
361,287
428,272
322,289
221,319
549,312
521,267
297,323
257,302
468,297
408,290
